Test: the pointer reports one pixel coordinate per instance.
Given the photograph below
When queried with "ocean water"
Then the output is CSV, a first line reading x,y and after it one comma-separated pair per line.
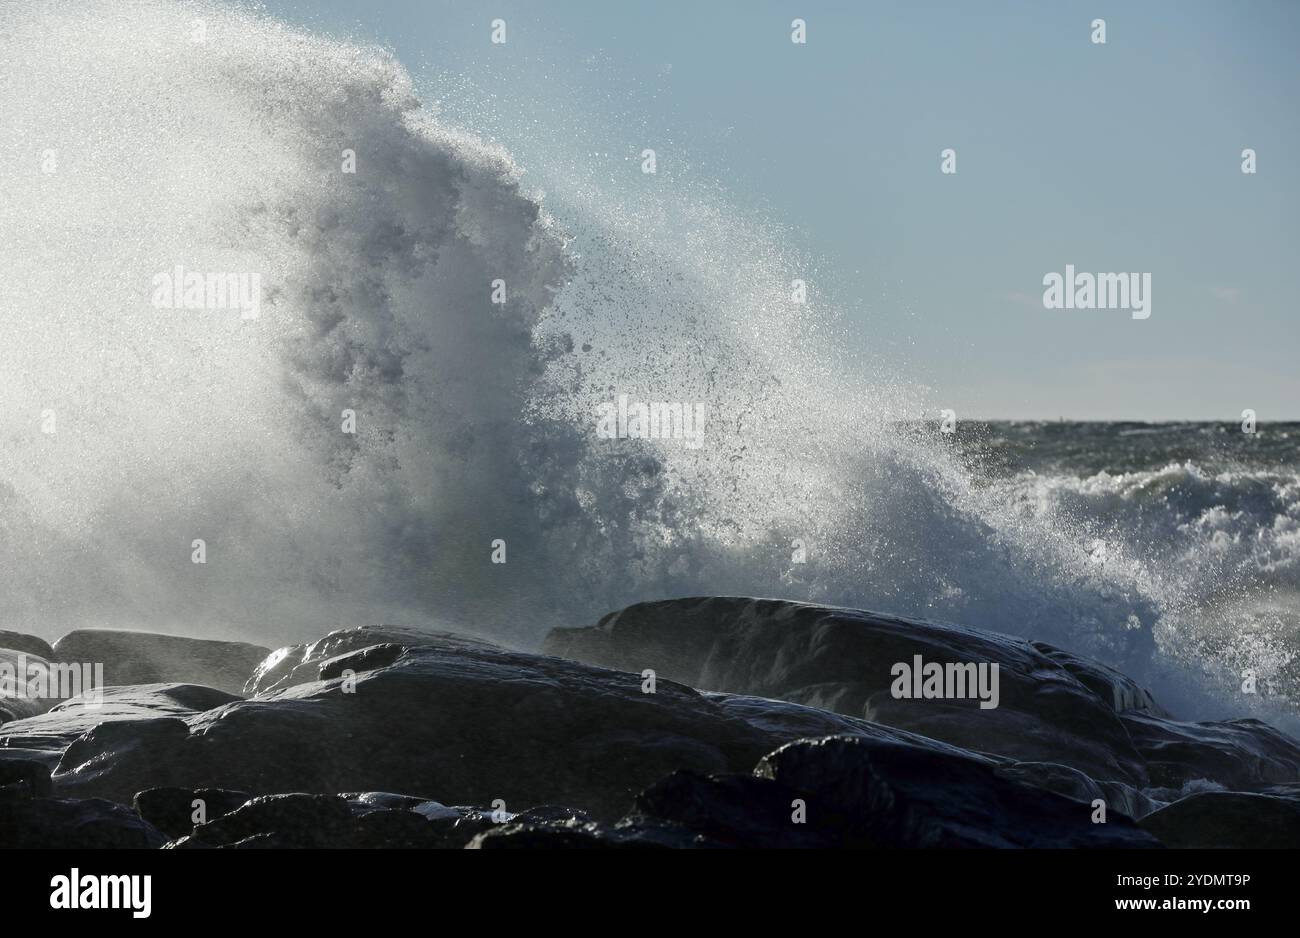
x,y
1208,513
1168,551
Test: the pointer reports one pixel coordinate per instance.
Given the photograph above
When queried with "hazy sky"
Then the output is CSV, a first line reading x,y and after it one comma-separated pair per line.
x,y
1117,157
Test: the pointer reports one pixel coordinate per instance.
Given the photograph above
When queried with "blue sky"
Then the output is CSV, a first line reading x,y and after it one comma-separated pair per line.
x,y
1115,157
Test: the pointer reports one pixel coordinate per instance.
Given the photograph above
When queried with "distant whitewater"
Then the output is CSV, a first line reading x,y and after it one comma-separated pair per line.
x,y
130,430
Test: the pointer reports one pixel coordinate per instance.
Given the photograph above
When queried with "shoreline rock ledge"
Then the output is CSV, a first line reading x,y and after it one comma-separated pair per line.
x,y
769,724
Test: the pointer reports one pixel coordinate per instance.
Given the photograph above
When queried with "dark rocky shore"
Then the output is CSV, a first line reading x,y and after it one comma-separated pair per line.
x,y
770,724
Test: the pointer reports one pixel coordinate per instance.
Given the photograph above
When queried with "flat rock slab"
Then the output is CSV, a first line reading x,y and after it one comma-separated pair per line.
x,y
152,658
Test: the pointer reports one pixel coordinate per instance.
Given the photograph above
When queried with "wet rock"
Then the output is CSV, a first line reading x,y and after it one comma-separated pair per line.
x,y
57,728
1228,819
19,698
585,837
637,832
845,792
374,820
1072,783
790,721
535,837
741,811
187,843
460,831
396,830
293,820
48,737
123,756
1061,779
300,664
365,802
1052,707
1241,755
24,778
439,741
436,811
28,644
362,802
172,810
90,824
264,842
49,758
462,721
552,814
1111,687
890,794
152,658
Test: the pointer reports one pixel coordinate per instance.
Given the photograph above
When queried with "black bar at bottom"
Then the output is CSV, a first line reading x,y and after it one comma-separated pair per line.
x,y
341,888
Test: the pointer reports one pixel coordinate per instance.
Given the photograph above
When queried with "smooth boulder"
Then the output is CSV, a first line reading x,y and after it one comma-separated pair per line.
x,y
153,658
1052,707
31,644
